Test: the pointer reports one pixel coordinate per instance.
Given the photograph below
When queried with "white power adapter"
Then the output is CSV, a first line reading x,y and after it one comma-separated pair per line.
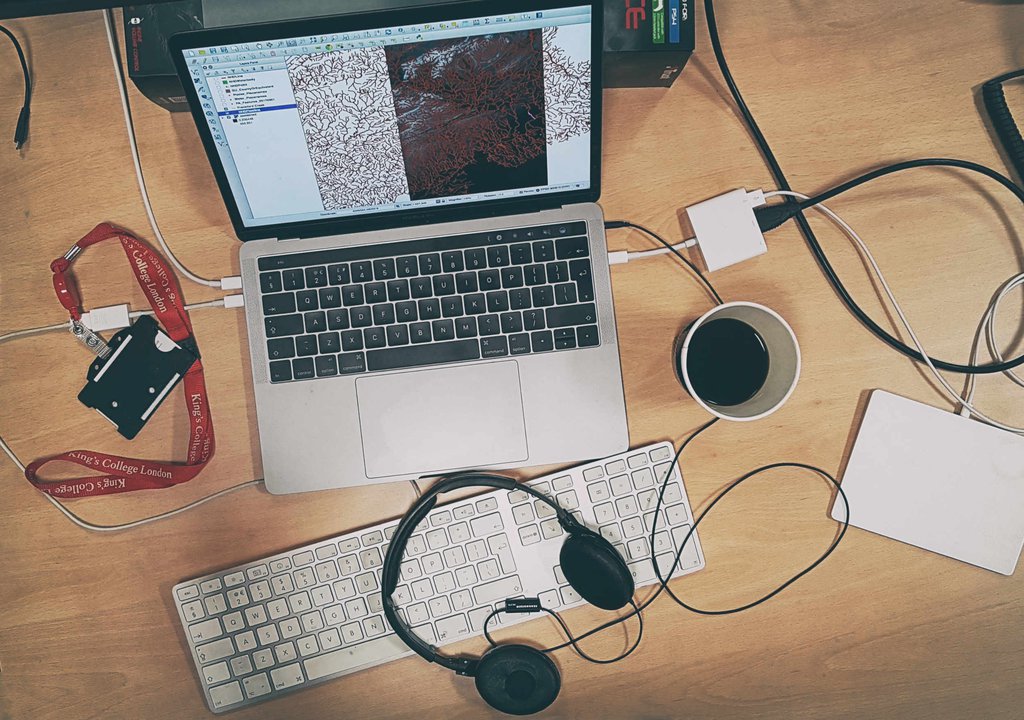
x,y
726,229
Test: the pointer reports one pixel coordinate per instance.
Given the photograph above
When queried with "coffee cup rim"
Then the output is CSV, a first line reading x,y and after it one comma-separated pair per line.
x,y
684,346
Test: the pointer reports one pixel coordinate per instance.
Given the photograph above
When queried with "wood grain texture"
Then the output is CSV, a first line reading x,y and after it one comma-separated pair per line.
x,y
880,630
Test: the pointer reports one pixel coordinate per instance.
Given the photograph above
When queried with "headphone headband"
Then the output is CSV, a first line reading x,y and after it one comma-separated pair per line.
x,y
396,551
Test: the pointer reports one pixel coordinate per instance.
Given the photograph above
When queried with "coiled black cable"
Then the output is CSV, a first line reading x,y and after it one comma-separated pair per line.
x,y
1002,121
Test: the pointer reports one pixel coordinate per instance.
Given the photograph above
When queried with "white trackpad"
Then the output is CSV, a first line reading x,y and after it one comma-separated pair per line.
x,y
436,420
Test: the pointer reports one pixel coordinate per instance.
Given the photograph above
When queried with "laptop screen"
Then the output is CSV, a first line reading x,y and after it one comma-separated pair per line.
x,y
403,117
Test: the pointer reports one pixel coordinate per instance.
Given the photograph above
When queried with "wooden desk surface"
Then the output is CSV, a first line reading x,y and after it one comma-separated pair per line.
x,y
882,630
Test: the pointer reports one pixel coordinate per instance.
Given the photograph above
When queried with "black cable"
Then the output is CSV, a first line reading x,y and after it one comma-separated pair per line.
x,y
771,216
574,640
21,129
999,115
812,240
614,224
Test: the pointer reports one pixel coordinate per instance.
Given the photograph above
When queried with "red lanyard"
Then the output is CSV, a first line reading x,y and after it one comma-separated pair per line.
x,y
123,474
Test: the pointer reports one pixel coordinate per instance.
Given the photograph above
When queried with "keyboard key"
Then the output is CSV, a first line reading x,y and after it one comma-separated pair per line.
x,y
452,261
475,303
216,650
497,301
571,247
413,356
306,345
375,293
406,311
368,653
256,685
287,676
361,316
476,259
270,282
511,322
352,295
558,317
326,366
306,300
488,325
218,672
337,319
397,335
407,267
489,280
565,338
421,287
384,269
519,299
430,264
330,298
451,307
466,282
493,346
452,628
534,275
283,325
498,256
485,525
443,330
352,340
293,279
520,253
586,336
302,368
542,296
519,344
497,590
542,341
420,332
429,309
459,532
316,276
362,271
281,348
383,314
338,274
398,290
315,322
543,250
278,304
565,294
328,342
226,695
444,285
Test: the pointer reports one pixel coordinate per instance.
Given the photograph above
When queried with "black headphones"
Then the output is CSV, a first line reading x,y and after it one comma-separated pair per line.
x,y
515,679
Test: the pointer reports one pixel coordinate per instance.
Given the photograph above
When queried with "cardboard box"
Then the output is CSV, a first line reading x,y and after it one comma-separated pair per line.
x,y
646,42
146,31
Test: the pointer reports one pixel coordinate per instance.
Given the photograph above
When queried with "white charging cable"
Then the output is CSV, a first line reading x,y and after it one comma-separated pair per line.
x,y
988,320
228,283
621,257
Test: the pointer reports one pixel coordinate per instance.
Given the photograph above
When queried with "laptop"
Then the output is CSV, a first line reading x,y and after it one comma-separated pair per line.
x,y
424,266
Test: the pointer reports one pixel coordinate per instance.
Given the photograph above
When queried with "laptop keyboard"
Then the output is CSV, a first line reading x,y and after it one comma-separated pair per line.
x,y
425,302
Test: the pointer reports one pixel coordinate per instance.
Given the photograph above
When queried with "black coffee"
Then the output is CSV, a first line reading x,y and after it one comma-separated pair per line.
x,y
727,362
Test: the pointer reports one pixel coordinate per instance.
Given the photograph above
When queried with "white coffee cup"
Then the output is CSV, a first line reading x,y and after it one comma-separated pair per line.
x,y
783,360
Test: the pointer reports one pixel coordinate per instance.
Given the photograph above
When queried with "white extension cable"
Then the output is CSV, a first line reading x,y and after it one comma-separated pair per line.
x,y
620,257
227,283
965,400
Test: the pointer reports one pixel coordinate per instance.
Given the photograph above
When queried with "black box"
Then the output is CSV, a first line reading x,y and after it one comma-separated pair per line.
x,y
146,31
646,42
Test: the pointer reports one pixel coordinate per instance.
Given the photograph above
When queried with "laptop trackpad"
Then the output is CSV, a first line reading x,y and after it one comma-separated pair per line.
x,y
435,420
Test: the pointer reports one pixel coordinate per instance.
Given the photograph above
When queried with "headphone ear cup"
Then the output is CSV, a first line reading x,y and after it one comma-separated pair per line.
x,y
595,570
517,679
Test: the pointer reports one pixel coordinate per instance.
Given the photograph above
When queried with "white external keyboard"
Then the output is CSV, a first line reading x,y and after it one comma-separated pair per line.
x,y
294,619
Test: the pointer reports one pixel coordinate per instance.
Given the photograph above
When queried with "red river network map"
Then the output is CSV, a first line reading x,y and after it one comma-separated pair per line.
x,y
440,118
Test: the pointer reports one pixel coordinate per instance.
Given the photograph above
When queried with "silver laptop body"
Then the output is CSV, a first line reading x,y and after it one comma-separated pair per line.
x,y
505,364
